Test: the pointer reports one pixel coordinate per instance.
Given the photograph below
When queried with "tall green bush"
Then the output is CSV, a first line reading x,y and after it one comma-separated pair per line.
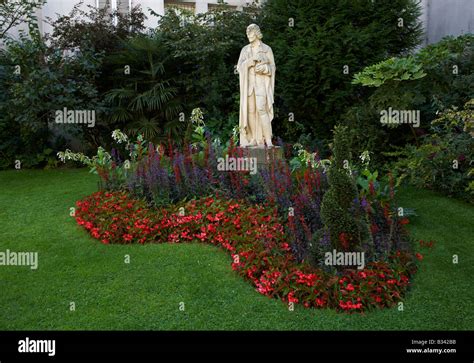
x,y
314,40
340,209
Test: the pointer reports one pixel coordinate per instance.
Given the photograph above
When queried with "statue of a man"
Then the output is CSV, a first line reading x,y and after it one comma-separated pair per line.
x,y
256,69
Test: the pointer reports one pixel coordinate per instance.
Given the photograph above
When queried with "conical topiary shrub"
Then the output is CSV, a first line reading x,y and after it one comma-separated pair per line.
x,y
339,208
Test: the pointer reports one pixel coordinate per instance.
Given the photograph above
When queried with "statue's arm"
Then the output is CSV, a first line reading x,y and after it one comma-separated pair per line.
x,y
269,68
243,61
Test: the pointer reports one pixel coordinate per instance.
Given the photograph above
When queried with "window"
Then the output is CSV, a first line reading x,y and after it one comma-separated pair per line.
x,y
216,6
184,5
103,3
123,6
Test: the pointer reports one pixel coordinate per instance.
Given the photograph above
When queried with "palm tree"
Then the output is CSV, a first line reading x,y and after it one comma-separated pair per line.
x,y
146,102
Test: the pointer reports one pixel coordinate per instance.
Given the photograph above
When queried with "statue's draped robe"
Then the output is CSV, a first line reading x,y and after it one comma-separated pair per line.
x,y
243,69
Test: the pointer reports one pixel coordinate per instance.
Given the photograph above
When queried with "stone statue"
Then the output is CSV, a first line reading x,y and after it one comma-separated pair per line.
x,y
256,69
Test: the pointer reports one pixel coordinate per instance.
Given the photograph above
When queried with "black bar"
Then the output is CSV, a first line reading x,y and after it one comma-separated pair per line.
x,y
379,346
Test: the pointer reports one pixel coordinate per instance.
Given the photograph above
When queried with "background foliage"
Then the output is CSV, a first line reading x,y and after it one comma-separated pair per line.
x,y
438,77
36,81
328,35
443,160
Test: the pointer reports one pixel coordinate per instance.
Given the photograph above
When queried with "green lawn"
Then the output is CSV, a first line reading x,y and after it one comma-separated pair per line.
x,y
145,294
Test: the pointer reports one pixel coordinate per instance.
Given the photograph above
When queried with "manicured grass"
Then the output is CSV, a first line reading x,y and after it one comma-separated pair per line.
x,y
145,294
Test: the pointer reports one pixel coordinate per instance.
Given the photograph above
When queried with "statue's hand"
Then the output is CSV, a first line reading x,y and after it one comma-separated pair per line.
x,y
261,68
256,60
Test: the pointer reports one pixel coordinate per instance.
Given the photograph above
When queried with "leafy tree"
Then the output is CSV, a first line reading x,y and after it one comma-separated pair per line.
x,y
94,32
36,81
95,28
15,12
190,57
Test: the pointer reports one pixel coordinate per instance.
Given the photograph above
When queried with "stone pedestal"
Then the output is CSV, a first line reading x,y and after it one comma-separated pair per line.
x,y
264,156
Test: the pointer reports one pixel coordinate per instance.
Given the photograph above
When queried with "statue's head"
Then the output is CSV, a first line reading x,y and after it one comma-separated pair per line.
x,y
253,32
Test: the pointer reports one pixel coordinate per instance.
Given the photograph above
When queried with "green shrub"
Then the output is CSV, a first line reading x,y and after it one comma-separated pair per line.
x,y
449,66
185,63
312,42
36,80
443,161
340,212
393,69
437,77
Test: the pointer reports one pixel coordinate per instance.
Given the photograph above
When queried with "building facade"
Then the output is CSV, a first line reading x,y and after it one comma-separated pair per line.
x,y
62,7
446,17
439,17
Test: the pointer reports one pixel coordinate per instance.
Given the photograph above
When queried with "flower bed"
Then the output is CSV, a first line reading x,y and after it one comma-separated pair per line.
x,y
324,204
255,238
